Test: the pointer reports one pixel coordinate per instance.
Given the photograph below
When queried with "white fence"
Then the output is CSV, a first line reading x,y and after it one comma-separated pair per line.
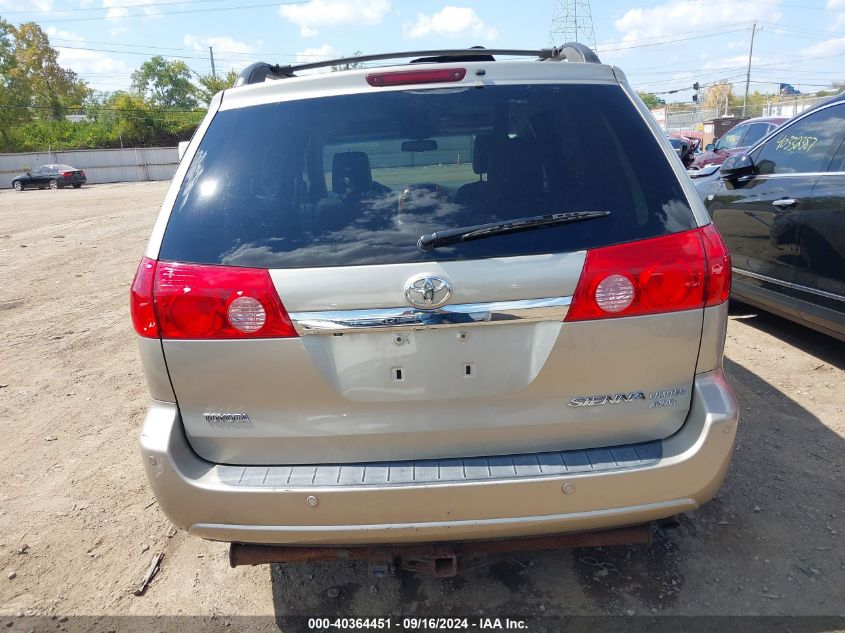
x,y
99,165
692,121
790,106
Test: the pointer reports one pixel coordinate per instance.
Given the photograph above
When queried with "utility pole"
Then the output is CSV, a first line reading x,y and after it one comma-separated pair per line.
x,y
214,72
748,72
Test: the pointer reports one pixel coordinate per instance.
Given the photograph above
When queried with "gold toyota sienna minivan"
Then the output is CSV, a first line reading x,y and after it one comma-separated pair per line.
x,y
459,299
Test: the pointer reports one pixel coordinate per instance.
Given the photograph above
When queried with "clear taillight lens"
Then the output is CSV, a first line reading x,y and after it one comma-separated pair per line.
x,y
614,293
247,314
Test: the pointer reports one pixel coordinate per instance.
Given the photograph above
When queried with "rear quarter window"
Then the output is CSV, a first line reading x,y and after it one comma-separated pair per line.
x,y
357,179
805,146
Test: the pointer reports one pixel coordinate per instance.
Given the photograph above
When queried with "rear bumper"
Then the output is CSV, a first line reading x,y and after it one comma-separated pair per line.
x,y
202,497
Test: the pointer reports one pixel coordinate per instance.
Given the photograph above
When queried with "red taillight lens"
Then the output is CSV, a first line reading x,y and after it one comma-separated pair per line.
x,y
141,299
718,266
662,274
195,301
405,77
65,174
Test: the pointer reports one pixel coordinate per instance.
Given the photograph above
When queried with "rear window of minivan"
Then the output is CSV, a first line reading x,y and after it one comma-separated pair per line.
x,y
355,180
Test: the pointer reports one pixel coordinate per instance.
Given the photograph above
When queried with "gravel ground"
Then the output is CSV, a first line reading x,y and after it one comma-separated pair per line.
x,y
79,526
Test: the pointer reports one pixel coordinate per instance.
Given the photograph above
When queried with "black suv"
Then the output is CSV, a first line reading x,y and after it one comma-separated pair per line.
x,y
781,209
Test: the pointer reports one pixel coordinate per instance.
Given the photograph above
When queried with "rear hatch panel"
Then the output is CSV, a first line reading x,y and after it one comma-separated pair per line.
x,y
334,213
328,398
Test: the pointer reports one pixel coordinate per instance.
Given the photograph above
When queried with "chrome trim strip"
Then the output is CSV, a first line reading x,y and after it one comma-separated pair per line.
x,y
788,284
809,174
450,316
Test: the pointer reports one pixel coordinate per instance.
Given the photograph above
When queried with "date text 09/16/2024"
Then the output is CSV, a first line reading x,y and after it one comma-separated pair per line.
x,y
417,624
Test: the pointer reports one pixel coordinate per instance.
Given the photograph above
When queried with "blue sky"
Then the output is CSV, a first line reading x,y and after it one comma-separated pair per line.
x,y
661,45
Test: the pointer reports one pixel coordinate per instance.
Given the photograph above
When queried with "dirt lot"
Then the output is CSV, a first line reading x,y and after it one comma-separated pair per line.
x,y
72,398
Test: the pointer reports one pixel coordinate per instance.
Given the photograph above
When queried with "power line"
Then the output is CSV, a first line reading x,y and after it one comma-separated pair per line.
x,y
797,83
111,50
144,46
716,76
800,29
683,39
680,71
158,13
74,44
757,67
122,6
153,50
709,31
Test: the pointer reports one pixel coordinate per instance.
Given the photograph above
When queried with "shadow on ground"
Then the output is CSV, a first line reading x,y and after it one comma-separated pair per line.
x,y
822,346
768,544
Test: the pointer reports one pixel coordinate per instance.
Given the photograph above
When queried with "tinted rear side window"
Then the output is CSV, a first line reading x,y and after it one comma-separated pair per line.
x,y
806,146
356,179
755,132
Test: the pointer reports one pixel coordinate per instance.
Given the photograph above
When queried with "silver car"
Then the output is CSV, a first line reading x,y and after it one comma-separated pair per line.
x,y
458,299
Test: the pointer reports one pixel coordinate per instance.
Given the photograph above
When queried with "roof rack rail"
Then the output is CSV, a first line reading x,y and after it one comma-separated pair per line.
x,y
571,51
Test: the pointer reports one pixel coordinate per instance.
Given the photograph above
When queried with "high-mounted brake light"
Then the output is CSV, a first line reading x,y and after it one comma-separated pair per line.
x,y
406,77
662,274
194,301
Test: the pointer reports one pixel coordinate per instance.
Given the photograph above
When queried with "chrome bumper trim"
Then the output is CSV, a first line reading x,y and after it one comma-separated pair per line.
x,y
789,284
460,315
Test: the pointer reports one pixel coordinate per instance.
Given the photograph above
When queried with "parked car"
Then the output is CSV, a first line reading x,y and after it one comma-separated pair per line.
x,y
781,209
52,176
735,140
685,148
426,313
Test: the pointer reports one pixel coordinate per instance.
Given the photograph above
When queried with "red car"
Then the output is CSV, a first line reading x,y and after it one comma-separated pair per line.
x,y
737,139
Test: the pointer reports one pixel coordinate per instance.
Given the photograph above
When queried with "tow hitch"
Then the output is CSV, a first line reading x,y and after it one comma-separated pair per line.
x,y
441,560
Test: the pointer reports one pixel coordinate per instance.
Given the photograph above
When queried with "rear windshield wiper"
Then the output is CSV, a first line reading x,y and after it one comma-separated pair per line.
x,y
480,231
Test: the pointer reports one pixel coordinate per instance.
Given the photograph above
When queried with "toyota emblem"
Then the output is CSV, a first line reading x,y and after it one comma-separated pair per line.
x,y
427,291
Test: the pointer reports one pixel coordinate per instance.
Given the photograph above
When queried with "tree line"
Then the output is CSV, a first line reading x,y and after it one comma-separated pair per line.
x,y
165,102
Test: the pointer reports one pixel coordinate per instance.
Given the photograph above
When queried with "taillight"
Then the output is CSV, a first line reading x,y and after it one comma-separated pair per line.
x,y
718,266
193,301
405,77
65,174
196,301
141,299
662,274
